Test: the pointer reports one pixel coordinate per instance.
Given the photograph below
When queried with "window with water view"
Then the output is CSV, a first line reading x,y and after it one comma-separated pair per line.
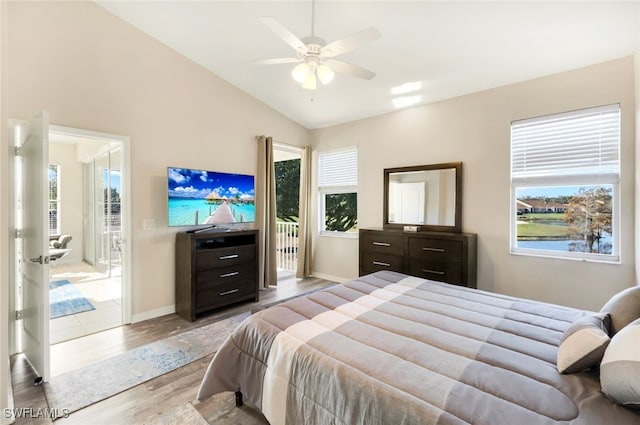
x,y
565,173
571,218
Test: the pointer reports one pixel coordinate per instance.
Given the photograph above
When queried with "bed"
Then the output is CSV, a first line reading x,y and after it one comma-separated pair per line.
x,y
388,348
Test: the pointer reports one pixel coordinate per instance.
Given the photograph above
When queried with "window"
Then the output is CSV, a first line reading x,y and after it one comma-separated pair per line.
x,y
565,170
54,212
338,189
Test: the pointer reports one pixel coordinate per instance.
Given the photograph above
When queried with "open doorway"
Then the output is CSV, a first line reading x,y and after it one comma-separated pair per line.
x,y
85,205
287,161
47,213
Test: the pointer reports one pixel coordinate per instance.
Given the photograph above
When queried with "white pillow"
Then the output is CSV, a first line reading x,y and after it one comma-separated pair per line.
x,y
620,367
583,343
624,308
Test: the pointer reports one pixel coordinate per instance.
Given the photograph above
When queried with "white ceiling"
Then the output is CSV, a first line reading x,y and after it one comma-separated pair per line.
x,y
451,48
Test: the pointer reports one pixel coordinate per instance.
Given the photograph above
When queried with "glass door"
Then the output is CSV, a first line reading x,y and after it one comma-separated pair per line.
x,y
102,213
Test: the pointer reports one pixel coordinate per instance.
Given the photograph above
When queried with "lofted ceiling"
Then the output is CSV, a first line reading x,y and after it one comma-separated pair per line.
x,y
446,48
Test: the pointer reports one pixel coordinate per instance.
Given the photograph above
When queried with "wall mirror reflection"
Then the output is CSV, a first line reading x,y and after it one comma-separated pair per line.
x,y
428,196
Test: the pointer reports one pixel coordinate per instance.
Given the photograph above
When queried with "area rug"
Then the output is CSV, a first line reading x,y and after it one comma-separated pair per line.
x,y
65,299
80,388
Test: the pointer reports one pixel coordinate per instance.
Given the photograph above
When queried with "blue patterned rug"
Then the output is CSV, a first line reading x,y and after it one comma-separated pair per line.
x,y
80,388
66,299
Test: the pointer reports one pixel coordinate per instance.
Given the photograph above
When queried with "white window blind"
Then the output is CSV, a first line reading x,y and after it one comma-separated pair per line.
x,y
338,168
579,146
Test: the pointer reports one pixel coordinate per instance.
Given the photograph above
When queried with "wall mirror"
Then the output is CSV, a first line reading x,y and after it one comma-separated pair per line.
x,y
428,196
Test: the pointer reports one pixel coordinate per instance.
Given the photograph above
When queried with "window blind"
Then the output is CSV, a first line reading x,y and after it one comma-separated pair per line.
x,y
338,168
573,147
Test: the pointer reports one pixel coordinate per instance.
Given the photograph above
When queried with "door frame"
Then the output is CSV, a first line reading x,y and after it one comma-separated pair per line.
x,y
125,181
13,339
125,214
285,152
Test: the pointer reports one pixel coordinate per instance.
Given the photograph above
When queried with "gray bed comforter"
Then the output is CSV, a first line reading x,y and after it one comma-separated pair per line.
x,y
389,349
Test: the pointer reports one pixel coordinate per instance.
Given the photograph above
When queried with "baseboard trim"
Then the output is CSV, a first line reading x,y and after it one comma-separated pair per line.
x,y
11,419
152,314
330,277
4,420
7,421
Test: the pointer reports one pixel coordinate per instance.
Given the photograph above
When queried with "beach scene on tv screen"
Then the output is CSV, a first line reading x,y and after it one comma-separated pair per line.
x,y
198,197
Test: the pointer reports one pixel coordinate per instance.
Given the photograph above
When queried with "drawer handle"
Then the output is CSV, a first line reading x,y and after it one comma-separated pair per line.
x,y
381,243
380,263
230,274
233,291
433,271
229,257
433,249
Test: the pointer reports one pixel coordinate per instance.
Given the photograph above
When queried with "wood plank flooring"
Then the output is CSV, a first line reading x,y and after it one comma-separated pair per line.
x,y
144,403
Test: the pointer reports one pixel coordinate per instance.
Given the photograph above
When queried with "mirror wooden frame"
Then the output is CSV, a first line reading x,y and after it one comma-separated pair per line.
x,y
456,228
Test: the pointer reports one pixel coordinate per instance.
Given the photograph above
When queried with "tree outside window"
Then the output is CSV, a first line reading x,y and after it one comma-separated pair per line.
x,y
589,217
287,176
341,212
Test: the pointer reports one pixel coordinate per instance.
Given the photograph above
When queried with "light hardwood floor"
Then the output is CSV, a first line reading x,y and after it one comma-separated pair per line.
x,y
143,403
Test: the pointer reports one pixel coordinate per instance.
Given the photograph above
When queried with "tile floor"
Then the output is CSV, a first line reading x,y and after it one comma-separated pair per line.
x,y
104,293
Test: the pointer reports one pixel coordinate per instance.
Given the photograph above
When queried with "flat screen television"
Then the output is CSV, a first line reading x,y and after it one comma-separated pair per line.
x,y
209,198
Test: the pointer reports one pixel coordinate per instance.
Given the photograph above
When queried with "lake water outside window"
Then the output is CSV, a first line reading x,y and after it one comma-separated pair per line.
x,y
568,218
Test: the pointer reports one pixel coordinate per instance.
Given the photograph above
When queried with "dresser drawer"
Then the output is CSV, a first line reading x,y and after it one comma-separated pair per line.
x,y
224,293
433,270
221,257
374,261
225,274
441,256
438,250
382,243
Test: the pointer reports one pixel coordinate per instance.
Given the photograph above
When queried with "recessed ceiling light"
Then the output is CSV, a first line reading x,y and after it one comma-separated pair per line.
x,y
407,88
404,101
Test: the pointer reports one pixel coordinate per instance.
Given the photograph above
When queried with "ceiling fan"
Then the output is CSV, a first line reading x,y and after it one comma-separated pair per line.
x,y
314,55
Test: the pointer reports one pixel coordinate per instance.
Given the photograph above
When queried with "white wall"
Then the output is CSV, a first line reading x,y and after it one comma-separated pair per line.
x,y
475,129
70,197
92,71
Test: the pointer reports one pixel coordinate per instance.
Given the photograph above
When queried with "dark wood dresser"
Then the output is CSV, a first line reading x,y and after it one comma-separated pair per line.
x,y
441,256
214,269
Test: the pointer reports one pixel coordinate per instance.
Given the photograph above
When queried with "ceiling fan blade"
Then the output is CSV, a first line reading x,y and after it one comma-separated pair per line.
x,y
279,60
349,69
350,42
287,36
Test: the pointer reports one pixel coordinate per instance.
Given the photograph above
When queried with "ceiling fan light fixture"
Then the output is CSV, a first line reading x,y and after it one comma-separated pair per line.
x,y
300,72
313,51
311,82
325,74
